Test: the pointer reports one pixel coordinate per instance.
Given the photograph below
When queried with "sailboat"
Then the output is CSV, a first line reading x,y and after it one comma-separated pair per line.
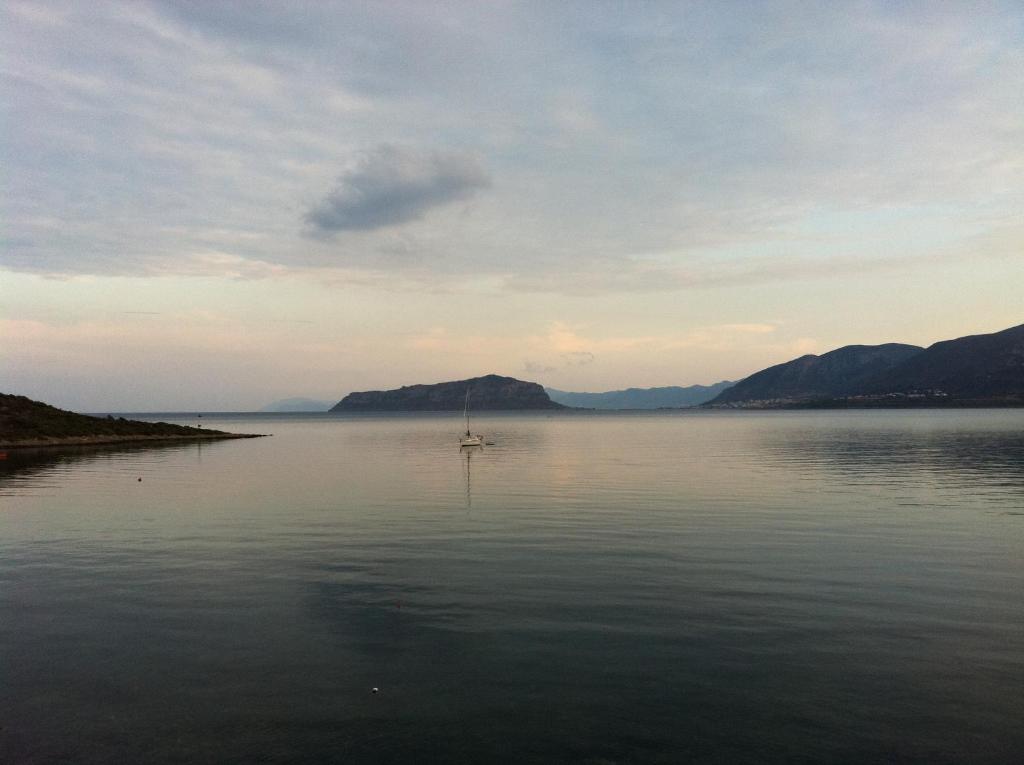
x,y
469,439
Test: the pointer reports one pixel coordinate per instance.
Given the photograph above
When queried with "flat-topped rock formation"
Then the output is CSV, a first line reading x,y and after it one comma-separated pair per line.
x,y
488,392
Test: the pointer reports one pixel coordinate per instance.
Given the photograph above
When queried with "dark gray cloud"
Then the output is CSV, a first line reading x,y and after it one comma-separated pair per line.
x,y
390,185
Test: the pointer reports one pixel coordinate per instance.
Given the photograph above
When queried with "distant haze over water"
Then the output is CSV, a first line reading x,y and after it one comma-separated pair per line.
x,y
297,405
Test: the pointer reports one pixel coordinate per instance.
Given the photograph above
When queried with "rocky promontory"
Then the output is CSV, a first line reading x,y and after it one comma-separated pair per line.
x,y
487,392
28,423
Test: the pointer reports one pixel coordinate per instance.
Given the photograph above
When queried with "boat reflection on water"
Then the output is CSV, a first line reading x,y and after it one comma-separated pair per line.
x,y
468,452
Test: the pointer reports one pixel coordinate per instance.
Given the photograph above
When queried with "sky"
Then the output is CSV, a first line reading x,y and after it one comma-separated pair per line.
x,y
213,205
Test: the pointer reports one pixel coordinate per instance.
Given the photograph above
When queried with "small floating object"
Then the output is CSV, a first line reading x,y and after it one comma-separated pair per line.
x,y
140,480
374,690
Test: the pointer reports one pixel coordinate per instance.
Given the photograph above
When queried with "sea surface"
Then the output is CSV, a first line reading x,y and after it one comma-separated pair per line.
x,y
781,587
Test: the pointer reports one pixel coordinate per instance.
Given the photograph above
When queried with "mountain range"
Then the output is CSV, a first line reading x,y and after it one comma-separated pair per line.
x,y
974,370
986,369
669,397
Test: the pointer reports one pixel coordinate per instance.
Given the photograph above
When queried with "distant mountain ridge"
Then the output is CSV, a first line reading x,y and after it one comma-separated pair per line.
x,y
672,396
974,370
842,372
978,368
489,392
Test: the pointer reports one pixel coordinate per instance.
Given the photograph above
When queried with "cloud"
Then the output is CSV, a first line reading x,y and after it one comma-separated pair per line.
x,y
754,329
684,150
535,368
578,358
390,185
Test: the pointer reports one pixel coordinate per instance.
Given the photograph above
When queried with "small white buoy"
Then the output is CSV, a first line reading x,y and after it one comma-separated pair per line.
x,y
374,690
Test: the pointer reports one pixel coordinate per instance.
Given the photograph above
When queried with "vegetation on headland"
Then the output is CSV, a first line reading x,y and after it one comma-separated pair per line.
x,y
25,423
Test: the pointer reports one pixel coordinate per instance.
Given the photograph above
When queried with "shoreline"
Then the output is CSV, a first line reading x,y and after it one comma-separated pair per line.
x,y
101,440
839,405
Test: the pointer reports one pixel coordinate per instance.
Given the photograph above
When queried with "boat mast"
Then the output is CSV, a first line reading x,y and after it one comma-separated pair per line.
x,y
466,411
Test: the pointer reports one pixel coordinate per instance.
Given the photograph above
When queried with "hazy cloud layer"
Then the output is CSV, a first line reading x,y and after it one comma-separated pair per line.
x,y
391,185
578,358
632,148
535,368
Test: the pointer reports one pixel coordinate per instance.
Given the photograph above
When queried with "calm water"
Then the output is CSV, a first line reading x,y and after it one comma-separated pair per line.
x,y
727,587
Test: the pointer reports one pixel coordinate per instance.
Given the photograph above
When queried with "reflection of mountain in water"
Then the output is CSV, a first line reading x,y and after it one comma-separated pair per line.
x,y
992,460
30,465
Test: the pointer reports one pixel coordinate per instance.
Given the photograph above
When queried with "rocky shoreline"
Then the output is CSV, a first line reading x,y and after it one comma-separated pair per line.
x,y
29,424
103,440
